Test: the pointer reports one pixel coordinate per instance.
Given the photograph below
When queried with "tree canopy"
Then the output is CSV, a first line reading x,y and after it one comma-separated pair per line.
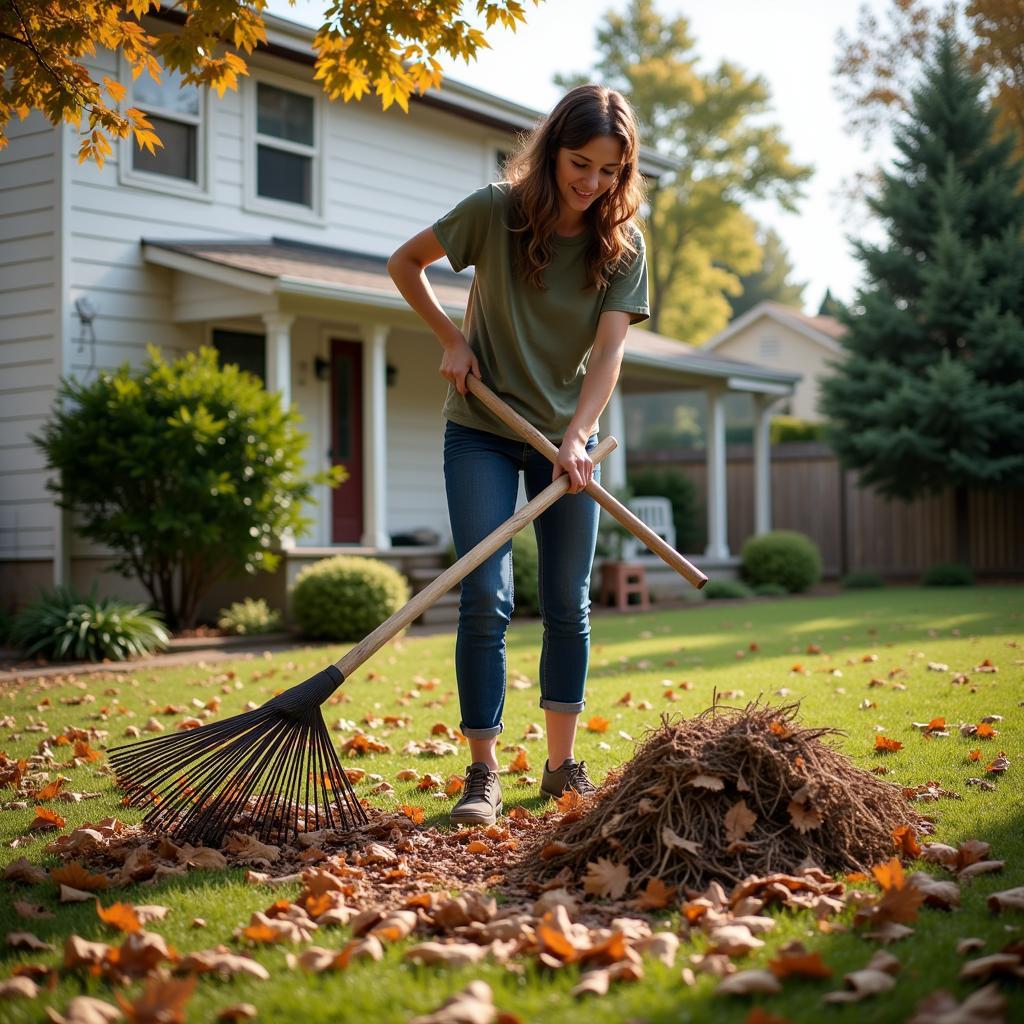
x,y
385,47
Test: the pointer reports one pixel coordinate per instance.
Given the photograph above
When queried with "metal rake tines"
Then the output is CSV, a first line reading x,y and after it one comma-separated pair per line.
x,y
267,772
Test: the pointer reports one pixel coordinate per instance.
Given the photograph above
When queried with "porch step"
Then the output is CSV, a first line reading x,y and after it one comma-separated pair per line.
x,y
446,608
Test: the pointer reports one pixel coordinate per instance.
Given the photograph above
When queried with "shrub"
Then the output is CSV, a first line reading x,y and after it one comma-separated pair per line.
x,y
787,429
6,623
861,580
188,471
346,597
716,590
63,626
947,574
249,617
783,556
770,590
525,573
682,492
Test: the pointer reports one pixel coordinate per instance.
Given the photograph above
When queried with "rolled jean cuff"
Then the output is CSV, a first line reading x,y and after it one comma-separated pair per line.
x,y
572,708
482,734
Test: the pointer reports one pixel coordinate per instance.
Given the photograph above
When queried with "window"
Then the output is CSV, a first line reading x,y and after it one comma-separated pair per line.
x,y
247,351
174,110
285,145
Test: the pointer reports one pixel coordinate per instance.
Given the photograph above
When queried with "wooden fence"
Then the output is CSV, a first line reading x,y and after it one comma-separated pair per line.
x,y
855,527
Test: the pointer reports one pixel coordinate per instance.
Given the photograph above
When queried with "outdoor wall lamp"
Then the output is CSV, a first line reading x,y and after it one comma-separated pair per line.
x,y
390,375
321,368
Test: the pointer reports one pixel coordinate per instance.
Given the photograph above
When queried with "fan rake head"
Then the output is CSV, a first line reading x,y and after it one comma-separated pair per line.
x,y
271,772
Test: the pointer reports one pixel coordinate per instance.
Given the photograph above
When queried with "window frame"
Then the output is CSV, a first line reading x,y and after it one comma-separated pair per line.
x,y
251,200
166,183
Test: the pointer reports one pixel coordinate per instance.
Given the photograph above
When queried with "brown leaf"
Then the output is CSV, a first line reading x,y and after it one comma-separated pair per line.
x,y
238,1011
739,820
606,878
35,911
701,781
799,963
803,817
473,1005
247,849
655,896
85,1010
162,1001
676,842
18,988
520,763
46,820
1008,899
905,840
77,877
223,962
413,813
447,954
23,870
885,745
861,984
79,952
733,940
749,983
26,940
985,1006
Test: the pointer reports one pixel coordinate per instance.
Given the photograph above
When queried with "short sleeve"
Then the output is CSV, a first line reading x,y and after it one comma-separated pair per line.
x,y
462,231
627,290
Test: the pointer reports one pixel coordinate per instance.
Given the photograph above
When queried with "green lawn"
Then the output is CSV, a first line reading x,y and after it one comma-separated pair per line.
x,y
747,647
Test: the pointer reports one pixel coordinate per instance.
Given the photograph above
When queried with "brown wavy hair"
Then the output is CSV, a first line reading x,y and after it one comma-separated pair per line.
x,y
581,115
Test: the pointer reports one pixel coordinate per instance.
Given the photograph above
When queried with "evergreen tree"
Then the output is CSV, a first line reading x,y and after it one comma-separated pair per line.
x,y
770,281
830,305
931,392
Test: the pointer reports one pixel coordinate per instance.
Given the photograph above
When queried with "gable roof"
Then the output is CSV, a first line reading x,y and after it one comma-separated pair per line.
x,y
824,330
283,266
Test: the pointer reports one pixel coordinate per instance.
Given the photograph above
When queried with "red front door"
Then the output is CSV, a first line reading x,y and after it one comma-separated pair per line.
x,y
347,440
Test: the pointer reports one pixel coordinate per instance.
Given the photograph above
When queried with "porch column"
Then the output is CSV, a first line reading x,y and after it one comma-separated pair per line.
x,y
375,441
613,469
762,462
279,374
279,355
718,544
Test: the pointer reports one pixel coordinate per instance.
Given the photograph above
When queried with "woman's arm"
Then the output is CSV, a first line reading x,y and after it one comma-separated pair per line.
x,y
406,267
598,385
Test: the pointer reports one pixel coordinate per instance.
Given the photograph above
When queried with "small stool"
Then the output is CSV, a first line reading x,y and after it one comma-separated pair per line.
x,y
618,581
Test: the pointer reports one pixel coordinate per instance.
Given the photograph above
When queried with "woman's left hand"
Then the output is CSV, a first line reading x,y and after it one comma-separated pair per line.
x,y
575,462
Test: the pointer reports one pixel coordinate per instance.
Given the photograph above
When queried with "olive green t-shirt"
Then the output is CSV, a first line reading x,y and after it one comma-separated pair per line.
x,y
532,344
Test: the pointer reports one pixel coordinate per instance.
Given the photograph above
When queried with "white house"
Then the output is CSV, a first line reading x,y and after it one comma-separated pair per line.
x,y
782,337
263,228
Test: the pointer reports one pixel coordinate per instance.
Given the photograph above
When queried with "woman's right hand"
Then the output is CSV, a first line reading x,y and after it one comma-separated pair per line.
x,y
458,361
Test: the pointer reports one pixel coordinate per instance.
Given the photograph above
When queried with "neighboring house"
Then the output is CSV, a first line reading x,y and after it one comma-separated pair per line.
x,y
784,338
263,227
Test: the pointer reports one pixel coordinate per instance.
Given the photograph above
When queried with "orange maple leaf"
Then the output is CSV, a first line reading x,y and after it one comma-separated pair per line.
x,y
49,791
413,813
985,731
569,802
805,965
77,877
905,840
478,846
883,744
46,819
780,730
598,724
121,915
975,755
890,874
656,895
520,763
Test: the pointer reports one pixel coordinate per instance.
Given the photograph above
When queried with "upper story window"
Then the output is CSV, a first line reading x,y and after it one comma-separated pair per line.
x,y
175,111
286,145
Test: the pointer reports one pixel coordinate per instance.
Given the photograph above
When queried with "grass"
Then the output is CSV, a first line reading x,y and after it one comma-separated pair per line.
x,y
707,646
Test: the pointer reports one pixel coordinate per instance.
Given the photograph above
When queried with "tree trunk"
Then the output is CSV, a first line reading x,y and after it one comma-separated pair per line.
x,y
962,524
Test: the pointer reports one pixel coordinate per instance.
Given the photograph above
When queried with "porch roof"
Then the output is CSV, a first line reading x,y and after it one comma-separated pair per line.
x,y
281,266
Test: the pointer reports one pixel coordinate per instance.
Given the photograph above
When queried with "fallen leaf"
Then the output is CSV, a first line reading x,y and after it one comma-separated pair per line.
x,y
119,915
447,954
412,812
985,1006
46,820
712,782
223,962
18,988
520,763
655,896
749,983
606,878
77,877
85,1010
676,842
1008,899
598,724
26,940
883,744
473,1005
162,1001
238,1011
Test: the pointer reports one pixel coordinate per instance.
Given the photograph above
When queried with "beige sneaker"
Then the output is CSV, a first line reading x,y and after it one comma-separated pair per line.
x,y
571,775
480,803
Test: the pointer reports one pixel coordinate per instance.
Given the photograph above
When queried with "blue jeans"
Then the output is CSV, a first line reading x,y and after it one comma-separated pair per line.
x,y
481,472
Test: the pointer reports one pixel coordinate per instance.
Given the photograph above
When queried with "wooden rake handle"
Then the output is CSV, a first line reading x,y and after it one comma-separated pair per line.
x,y
463,567
608,502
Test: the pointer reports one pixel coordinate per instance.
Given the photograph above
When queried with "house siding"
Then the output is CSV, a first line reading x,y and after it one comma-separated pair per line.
x,y
30,311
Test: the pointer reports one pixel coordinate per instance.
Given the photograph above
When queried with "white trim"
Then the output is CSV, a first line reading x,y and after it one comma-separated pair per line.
x,y
314,214
757,386
375,446
718,535
127,175
62,532
765,308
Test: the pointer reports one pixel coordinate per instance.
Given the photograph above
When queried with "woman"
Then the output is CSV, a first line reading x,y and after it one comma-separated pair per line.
x,y
560,275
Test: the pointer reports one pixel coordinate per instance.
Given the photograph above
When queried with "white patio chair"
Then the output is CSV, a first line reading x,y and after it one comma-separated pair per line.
x,y
657,514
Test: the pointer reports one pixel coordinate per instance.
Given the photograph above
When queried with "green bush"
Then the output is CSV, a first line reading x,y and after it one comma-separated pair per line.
x,y
948,574
716,590
770,590
682,493
187,470
861,580
525,573
63,626
6,623
347,597
249,617
788,429
783,556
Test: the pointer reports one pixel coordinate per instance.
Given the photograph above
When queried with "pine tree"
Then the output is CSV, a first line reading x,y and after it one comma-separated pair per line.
x,y
930,394
830,305
772,280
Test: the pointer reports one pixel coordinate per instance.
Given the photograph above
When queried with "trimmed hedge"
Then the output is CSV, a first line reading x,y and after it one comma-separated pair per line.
x,y
948,574
346,597
785,557
717,590
249,618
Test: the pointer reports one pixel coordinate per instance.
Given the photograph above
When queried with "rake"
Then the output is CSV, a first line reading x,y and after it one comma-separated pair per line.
x,y
273,771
